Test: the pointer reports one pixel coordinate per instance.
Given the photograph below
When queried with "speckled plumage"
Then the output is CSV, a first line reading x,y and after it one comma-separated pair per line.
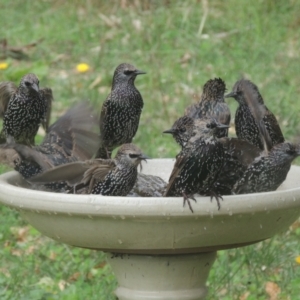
x,y
198,164
70,138
254,122
111,177
212,104
239,154
120,113
26,108
268,171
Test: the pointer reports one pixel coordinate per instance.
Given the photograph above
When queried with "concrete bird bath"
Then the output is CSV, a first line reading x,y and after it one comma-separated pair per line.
x,y
157,248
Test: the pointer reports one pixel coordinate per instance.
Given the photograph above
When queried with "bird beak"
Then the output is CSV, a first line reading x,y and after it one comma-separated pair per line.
x,y
35,87
231,95
222,126
139,72
171,131
144,157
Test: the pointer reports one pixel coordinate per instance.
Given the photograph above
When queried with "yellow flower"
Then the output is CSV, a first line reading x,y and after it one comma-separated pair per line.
x,y
82,68
3,65
297,259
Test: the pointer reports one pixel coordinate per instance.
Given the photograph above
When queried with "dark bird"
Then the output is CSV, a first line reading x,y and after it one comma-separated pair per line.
x,y
73,137
120,114
111,177
198,164
24,109
254,122
239,154
212,104
182,130
268,171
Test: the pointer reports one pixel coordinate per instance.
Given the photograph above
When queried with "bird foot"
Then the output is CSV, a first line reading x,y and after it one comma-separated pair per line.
x,y
217,197
186,198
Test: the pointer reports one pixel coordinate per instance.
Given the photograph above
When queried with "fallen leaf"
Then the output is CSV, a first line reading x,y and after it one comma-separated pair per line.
x,y
272,289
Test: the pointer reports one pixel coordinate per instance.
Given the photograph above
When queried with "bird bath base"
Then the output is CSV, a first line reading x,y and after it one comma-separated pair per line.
x,y
160,277
157,248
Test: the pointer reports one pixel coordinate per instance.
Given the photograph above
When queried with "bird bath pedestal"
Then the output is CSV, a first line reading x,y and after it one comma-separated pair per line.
x,y
157,248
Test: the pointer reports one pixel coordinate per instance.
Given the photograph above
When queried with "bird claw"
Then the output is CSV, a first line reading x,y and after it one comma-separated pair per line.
x,y
217,197
186,198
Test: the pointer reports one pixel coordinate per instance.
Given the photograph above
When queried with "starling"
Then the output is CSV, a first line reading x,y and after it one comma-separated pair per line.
x,y
268,171
120,113
198,164
70,138
253,120
111,177
24,109
182,130
239,154
148,186
212,104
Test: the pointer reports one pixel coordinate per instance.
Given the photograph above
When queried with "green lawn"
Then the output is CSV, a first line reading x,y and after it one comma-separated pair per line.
x,y
180,44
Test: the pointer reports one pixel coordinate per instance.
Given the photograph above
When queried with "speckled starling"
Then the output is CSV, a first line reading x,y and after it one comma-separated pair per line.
x,y
73,137
212,104
268,171
24,109
120,114
111,177
239,154
253,120
198,164
182,130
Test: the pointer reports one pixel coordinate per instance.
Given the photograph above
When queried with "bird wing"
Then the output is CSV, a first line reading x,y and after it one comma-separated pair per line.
x,y
273,128
180,161
7,89
76,132
48,97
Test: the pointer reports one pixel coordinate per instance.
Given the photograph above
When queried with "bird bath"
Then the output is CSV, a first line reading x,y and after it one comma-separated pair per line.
x,y
157,248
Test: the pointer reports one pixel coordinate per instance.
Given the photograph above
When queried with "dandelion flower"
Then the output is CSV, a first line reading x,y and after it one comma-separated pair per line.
x,y
3,65
297,259
82,68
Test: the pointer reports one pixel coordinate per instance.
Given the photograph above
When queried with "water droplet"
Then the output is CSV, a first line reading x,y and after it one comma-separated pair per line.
x,y
122,217
204,228
37,211
260,226
58,237
70,214
55,212
90,216
21,205
97,207
120,242
294,199
230,213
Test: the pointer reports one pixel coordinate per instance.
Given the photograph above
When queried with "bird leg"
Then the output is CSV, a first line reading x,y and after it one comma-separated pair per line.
x,y
217,197
186,198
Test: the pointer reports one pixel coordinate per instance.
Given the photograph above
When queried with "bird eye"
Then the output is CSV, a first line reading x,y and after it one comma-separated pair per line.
x,y
27,83
128,72
183,129
133,155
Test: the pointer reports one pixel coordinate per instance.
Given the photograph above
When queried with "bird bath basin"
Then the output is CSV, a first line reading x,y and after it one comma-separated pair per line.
x,y
157,248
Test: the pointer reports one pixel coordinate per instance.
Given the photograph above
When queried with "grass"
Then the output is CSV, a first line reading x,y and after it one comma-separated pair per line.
x,y
181,44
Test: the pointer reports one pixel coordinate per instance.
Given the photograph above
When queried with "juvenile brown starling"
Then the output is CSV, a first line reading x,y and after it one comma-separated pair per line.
x,y
212,104
120,114
111,177
239,154
267,172
70,138
198,164
253,120
24,109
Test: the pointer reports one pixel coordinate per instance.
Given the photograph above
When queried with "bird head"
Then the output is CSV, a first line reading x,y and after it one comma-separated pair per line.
x,y
214,89
125,73
30,83
132,154
207,127
182,130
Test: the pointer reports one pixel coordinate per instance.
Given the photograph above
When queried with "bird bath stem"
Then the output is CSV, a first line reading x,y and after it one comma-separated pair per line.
x,y
157,248
162,277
